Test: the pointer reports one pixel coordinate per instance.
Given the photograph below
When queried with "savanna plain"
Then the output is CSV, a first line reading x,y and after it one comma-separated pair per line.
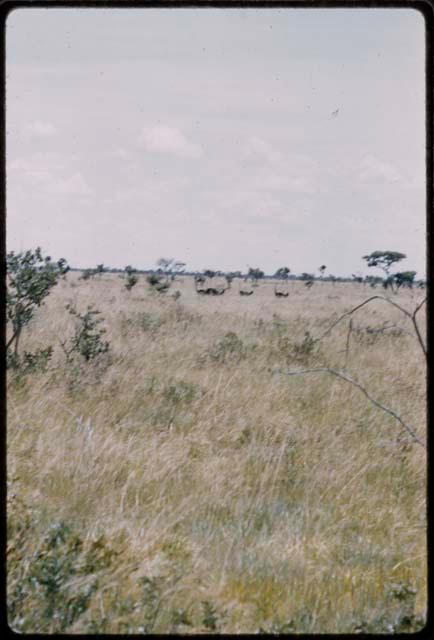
x,y
183,482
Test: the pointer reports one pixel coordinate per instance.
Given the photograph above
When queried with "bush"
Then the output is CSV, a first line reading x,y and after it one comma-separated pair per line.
x,y
230,347
87,340
30,278
132,279
158,283
296,351
29,362
302,350
179,393
54,586
210,619
149,321
87,274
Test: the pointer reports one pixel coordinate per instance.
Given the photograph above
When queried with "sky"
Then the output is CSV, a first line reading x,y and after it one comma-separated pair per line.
x,y
224,138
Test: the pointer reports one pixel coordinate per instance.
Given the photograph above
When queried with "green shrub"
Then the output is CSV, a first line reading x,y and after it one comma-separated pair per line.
x,y
210,618
397,617
149,321
179,393
174,407
305,348
230,347
87,340
87,274
300,352
132,280
30,278
29,362
158,283
54,586
180,617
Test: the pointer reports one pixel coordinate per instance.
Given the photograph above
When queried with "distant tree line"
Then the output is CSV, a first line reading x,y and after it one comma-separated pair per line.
x,y
167,269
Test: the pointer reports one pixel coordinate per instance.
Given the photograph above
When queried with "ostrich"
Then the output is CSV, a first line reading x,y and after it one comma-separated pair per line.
x,y
280,294
207,291
245,292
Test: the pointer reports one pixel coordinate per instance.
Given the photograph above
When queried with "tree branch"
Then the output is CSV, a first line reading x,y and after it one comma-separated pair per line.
x,y
416,328
340,374
12,339
411,316
347,346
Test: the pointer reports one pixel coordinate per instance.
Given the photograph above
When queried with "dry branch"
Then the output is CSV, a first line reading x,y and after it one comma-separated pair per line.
x,y
343,376
411,316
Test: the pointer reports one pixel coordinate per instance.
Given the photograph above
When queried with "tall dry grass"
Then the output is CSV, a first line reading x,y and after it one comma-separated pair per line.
x,y
216,494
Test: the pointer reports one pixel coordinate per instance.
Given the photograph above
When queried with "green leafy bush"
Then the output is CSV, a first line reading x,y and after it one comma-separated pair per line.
x,y
398,616
54,586
30,278
305,348
87,340
300,351
29,362
179,392
87,274
230,347
132,279
158,283
210,618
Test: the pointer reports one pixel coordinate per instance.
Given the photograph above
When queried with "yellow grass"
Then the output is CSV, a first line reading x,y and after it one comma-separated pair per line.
x,y
277,500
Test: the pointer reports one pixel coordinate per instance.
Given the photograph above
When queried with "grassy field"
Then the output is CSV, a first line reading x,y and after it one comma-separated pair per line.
x,y
180,484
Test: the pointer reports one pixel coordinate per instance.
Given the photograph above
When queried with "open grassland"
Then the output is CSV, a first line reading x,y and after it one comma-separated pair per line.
x,y
179,483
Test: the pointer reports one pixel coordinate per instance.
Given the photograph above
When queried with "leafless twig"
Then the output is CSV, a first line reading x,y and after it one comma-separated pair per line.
x,y
411,316
343,376
347,346
66,351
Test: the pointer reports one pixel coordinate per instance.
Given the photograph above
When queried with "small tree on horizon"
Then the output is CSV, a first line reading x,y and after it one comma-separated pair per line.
x,y
177,268
209,273
307,276
87,274
321,270
132,279
357,278
282,273
404,279
229,277
254,275
384,260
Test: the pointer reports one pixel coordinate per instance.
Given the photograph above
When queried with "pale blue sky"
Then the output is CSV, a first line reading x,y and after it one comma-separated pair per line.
x,y
207,135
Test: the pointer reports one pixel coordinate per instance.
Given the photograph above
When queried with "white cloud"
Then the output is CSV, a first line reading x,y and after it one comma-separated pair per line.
x,y
119,153
168,140
74,185
373,170
39,161
289,182
38,129
45,173
257,150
